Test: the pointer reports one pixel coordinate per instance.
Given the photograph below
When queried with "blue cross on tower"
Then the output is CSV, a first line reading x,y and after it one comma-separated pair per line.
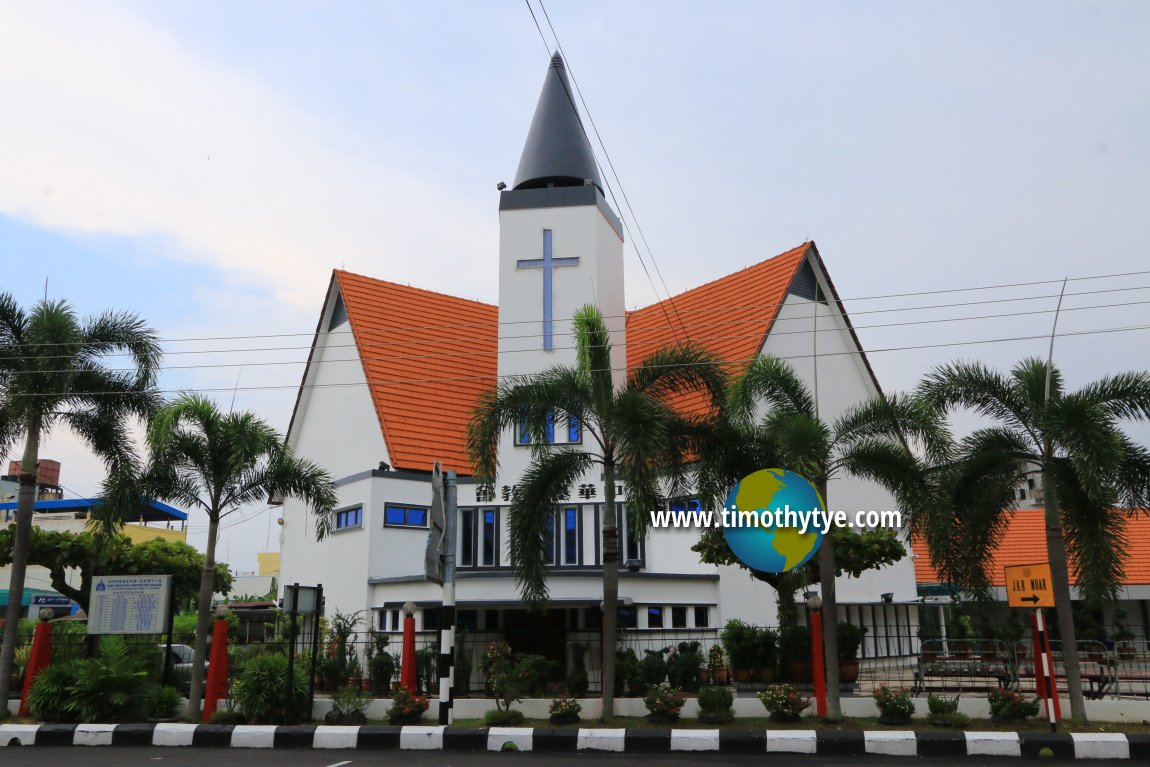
x,y
547,264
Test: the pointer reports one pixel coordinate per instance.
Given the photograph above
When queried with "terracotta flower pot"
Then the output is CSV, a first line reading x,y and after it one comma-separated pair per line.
x,y
848,671
800,670
722,676
744,675
766,675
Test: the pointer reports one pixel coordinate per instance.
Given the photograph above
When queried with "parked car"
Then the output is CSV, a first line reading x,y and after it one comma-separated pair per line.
x,y
181,658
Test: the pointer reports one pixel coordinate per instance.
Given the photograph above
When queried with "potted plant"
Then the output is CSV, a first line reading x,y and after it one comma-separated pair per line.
x,y
627,670
717,665
795,650
380,672
739,640
783,702
944,711
508,684
1010,706
653,667
850,639
406,707
354,672
684,665
664,703
766,655
715,703
894,705
564,711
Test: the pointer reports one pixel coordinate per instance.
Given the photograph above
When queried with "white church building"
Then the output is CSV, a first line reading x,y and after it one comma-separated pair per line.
x,y
395,371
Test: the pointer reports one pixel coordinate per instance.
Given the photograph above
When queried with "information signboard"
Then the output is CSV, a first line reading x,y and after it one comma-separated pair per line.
x,y
1029,586
129,604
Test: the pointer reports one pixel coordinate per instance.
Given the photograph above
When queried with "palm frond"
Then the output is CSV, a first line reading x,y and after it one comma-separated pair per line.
x,y
1095,535
1125,395
771,381
974,386
911,420
593,352
541,489
678,369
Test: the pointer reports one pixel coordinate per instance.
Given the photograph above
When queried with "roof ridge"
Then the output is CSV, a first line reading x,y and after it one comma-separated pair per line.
x,y
407,286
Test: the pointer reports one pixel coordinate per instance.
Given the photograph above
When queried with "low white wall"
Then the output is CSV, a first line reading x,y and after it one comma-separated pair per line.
x,y
1135,711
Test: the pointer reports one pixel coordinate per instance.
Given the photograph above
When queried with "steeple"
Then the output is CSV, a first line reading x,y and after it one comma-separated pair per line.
x,y
557,152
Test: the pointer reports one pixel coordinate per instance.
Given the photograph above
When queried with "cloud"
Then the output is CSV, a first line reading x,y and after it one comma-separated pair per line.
x,y
113,126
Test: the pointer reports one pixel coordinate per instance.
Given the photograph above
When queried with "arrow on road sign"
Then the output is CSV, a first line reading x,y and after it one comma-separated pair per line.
x,y
1032,598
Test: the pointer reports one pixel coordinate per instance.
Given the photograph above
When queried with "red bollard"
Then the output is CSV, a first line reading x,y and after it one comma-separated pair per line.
x,y
217,684
38,659
407,672
818,667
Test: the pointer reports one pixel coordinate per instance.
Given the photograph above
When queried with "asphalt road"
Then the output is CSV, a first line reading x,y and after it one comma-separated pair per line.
x,y
227,757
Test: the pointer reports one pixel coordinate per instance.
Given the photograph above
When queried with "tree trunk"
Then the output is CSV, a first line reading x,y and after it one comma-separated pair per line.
x,y
21,549
1064,606
610,589
203,619
830,618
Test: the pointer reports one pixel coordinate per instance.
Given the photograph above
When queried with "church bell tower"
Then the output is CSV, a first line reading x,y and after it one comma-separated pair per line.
x,y
560,244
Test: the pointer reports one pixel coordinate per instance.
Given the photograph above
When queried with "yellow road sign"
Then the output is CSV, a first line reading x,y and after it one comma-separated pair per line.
x,y
1029,586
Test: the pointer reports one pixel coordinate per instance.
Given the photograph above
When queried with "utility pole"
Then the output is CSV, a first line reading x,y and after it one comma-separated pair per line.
x,y
447,613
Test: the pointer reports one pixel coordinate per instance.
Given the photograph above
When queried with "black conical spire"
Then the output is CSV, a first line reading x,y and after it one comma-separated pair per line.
x,y
557,152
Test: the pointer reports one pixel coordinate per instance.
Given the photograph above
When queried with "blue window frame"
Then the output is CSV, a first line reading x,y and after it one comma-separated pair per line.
x,y
570,517
574,429
467,538
490,539
549,541
396,515
349,518
523,434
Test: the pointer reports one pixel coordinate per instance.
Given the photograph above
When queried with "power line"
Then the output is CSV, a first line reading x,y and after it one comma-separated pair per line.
x,y
722,362
709,310
633,342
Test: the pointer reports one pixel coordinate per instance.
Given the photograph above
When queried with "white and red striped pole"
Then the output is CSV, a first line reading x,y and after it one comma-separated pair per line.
x,y
1045,667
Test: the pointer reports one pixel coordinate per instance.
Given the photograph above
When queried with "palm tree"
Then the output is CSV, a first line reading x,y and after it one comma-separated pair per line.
x,y
632,433
871,441
53,374
204,458
1087,465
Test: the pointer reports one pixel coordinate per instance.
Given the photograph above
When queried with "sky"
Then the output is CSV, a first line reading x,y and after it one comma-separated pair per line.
x,y
207,164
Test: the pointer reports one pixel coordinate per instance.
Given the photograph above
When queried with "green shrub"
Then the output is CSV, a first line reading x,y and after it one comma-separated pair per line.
x,y
347,707
664,702
406,707
683,666
110,687
426,669
715,702
1008,705
535,670
739,640
653,669
381,671
766,643
500,718
936,705
795,644
261,690
163,702
51,693
850,639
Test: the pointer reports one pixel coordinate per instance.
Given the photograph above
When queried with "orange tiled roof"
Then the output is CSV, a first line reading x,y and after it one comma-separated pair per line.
x,y
423,402
730,316
1025,544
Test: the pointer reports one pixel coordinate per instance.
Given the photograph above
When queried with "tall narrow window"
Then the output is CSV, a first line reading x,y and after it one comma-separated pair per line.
x,y
489,539
549,541
654,617
571,536
702,616
467,538
574,429
551,427
679,617
523,434
632,548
